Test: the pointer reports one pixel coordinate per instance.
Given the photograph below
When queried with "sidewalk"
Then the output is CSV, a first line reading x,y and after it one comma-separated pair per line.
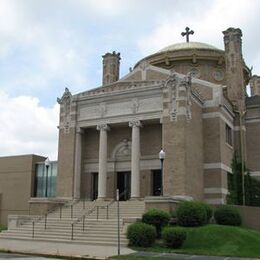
x,y
61,249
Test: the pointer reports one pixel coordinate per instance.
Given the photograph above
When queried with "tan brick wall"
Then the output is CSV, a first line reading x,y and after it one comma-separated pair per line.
x,y
183,144
226,150
211,137
66,158
16,175
253,146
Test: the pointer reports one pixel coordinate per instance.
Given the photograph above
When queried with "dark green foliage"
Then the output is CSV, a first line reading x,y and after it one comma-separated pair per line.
x,y
252,186
191,214
141,234
227,215
157,218
174,237
209,211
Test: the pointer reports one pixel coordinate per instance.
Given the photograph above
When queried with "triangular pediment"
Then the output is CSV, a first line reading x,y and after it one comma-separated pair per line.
x,y
146,71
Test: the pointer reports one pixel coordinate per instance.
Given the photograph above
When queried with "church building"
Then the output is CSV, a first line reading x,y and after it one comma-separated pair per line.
x,y
167,129
188,99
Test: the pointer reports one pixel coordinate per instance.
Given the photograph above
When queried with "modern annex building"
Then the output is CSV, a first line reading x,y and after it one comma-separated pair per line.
x,y
188,99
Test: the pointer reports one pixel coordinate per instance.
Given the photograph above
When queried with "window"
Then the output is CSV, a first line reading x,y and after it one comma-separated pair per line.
x,y
45,187
229,135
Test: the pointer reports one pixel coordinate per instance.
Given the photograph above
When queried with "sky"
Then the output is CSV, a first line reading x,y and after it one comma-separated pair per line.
x,y
47,45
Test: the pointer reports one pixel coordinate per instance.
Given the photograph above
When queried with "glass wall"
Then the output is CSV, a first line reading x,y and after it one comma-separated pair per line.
x,y
45,180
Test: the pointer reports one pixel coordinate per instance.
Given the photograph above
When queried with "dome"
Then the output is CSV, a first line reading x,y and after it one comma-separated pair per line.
x,y
189,45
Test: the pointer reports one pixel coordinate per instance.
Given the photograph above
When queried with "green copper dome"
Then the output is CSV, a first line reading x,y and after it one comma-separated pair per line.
x,y
188,45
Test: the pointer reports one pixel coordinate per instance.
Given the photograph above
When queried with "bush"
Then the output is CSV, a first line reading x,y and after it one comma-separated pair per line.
x,y
191,214
227,215
141,234
174,236
209,211
157,218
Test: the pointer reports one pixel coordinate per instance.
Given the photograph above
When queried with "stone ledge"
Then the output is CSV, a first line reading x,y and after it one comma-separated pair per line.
x,y
167,203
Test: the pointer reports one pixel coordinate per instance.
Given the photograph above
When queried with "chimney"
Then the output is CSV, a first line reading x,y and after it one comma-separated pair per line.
x,y
111,65
255,85
234,67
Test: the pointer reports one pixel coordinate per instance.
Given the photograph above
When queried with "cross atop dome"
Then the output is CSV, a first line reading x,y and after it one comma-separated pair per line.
x,y
187,33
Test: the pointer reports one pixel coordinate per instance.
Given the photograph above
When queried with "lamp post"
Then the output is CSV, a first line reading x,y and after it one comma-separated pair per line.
x,y
162,157
47,164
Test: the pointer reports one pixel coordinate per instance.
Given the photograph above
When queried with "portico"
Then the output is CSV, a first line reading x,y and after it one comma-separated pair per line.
x,y
115,161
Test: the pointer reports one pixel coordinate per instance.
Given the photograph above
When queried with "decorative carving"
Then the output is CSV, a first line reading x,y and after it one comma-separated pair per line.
x,y
195,72
144,65
102,109
180,96
103,127
135,105
135,123
122,150
65,102
218,74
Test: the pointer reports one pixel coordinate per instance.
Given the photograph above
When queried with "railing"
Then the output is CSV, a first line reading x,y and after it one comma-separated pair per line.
x,y
82,217
45,216
93,209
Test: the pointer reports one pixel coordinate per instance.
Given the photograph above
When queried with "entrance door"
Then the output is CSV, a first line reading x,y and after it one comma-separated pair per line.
x,y
123,184
157,182
94,184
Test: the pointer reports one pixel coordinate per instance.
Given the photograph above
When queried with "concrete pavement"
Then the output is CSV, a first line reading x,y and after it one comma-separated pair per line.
x,y
61,249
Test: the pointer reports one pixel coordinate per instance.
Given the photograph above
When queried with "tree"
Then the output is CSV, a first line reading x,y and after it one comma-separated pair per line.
x,y
252,186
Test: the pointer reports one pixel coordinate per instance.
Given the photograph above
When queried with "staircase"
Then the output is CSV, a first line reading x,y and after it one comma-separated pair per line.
x,y
93,223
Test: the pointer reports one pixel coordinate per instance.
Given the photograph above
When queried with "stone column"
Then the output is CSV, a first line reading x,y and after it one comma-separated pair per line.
x,y
102,163
135,159
77,169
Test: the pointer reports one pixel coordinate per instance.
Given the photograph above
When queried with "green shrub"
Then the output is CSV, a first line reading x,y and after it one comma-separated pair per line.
x,y
227,215
191,214
141,234
174,236
157,218
209,211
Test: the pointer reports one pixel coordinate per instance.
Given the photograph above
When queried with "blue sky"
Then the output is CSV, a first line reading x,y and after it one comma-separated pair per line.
x,y
47,45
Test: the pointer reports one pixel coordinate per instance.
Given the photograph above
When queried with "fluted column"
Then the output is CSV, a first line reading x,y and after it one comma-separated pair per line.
x,y
77,169
102,163
135,159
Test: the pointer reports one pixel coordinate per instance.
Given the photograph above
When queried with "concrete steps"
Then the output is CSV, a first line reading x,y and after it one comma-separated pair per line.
x,y
101,231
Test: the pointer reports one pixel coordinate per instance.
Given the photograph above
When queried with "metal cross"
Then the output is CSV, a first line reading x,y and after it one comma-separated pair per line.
x,y
187,33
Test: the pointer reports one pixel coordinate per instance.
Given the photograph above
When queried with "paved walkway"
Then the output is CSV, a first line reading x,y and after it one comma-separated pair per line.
x,y
61,249
81,251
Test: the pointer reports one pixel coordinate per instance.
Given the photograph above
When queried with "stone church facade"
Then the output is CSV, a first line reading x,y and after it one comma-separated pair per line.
x,y
188,99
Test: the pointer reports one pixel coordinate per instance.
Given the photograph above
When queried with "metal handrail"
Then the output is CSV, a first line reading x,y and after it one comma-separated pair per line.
x,y
45,216
93,209
82,217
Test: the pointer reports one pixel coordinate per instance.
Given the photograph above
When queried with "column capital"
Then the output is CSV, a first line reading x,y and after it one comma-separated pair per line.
x,y
104,127
79,130
135,123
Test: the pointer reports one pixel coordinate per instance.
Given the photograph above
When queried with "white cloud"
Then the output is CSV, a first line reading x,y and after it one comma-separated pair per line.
x,y
27,127
208,24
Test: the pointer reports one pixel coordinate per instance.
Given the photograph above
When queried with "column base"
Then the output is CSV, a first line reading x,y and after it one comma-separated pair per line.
x,y
135,198
103,199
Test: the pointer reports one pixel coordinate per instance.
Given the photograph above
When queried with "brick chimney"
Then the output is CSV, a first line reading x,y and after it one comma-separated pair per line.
x,y
111,66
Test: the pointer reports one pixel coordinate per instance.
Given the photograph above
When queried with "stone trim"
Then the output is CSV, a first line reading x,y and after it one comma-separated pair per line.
x,y
215,190
218,165
215,201
113,166
237,128
255,174
252,120
218,114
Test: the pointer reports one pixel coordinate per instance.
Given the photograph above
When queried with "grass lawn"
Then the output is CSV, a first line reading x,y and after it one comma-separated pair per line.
x,y
217,240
